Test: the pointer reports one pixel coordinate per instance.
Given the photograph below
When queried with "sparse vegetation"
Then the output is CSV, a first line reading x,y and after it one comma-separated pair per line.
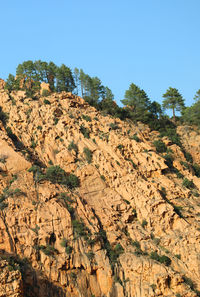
x,y
144,223
135,137
185,165
103,177
90,255
114,126
85,131
48,250
86,118
134,165
162,259
3,117
120,147
55,174
72,146
64,243
196,169
80,229
88,154
169,160
188,183
47,102
138,107
178,173
160,146
137,247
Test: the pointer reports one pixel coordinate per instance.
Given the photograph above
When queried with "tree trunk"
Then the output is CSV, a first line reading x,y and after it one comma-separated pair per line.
x,y
174,118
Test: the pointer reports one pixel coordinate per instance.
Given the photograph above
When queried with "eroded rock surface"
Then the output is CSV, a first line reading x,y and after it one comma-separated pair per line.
x,y
130,229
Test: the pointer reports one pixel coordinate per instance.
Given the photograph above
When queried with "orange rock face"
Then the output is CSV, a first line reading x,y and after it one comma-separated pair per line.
x,y
2,84
131,227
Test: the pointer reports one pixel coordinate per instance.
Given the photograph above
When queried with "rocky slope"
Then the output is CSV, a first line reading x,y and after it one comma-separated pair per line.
x,y
131,228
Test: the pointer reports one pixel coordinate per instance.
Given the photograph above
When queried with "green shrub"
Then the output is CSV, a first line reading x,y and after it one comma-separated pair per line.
x,y
178,256
188,157
85,131
135,137
178,173
165,260
160,146
47,102
170,132
48,250
88,154
55,120
65,197
79,228
55,174
33,144
90,255
114,126
189,282
115,253
185,164
72,146
103,177
34,169
72,181
86,118
177,210
188,183
134,165
120,147
136,244
3,117
196,194
163,193
68,250
169,160
144,223
196,169
162,259
67,200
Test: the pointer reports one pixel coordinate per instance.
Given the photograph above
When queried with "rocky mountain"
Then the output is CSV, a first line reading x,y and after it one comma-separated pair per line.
x,y
92,206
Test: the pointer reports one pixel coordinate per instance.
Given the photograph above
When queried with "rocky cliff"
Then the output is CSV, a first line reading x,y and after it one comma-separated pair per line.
x,y
88,207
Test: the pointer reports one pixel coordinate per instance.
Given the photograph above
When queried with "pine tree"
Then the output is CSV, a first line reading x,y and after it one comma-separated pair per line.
x,y
65,80
173,100
137,100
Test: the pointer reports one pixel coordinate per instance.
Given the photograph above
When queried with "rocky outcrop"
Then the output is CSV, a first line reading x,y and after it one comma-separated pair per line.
x,y
2,84
131,228
10,280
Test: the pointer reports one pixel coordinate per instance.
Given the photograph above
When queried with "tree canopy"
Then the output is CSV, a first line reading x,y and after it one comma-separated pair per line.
x,y
173,100
138,106
64,78
137,101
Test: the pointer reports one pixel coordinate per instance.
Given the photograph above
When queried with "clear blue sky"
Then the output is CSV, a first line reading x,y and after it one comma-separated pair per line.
x,y
152,43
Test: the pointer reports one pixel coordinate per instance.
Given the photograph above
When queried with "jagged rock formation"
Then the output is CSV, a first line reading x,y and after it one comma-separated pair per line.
x,y
130,229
